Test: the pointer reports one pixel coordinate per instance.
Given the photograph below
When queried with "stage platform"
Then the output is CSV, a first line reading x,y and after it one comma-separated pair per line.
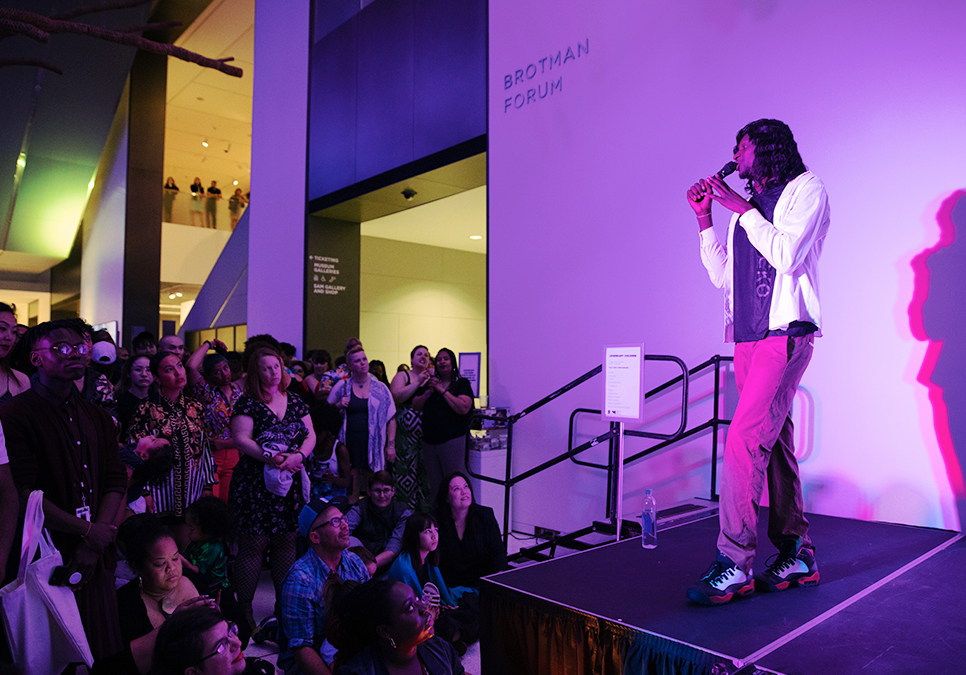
x,y
889,602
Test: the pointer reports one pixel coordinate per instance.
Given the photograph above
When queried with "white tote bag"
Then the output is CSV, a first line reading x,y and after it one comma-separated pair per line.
x,y
42,622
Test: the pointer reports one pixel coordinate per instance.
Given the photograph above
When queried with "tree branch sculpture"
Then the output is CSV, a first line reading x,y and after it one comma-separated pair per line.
x,y
39,28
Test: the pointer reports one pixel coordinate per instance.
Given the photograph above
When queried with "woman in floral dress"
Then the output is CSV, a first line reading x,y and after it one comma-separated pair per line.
x,y
267,413
172,417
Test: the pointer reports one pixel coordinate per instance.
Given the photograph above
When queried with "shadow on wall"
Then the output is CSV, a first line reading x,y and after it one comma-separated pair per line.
x,y
936,316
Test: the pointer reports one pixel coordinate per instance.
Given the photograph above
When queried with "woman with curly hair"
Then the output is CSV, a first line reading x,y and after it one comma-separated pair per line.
x,y
446,420
383,626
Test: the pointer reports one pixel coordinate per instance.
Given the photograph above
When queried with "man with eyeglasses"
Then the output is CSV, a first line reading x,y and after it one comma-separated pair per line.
x,y
378,521
67,447
302,615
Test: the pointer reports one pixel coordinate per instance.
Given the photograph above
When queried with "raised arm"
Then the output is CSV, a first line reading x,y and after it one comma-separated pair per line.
x,y
405,384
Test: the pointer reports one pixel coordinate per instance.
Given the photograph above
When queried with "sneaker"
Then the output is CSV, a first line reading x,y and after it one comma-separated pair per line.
x,y
721,582
789,568
431,597
267,630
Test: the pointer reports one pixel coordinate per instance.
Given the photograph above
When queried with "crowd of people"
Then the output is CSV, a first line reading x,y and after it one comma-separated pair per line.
x,y
170,479
203,203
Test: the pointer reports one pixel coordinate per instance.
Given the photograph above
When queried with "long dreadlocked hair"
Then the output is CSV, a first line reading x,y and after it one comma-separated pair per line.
x,y
776,153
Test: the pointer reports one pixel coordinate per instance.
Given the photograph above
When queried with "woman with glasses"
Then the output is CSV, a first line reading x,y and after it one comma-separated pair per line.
x,y
385,627
378,521
469,537
133,390
200,642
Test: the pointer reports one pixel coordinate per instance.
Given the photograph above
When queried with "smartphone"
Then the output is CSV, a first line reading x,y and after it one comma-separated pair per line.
x,y
58,576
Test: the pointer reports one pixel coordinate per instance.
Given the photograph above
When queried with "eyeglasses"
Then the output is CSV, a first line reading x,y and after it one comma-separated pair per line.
x,y
66,349
334,522
382,491
223,643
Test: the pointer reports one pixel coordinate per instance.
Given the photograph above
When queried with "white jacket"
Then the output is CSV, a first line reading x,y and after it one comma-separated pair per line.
x,y
792,245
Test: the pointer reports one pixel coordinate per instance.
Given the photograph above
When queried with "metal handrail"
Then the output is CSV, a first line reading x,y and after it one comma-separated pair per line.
x,y
560,392
667,439
511,481
683,377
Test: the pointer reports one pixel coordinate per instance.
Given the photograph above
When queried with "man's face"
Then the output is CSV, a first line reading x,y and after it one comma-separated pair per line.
x,y
330,537
221,374
172,344
45,355
381,495
745,157
146,348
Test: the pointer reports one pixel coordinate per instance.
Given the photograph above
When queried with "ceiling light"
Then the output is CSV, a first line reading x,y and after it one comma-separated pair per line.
x,y
234,182
204,143
179,294
476,237
409,194
171,297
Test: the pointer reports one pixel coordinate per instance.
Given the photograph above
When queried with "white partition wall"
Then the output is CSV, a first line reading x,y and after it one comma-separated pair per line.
x,y
601,114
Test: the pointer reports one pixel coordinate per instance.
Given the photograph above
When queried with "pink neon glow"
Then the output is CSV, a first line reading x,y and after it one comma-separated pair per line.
x,y
918,317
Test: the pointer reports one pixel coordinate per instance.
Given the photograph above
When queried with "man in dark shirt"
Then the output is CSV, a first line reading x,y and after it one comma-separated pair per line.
x,y
769,271
378,521
67,447
214,194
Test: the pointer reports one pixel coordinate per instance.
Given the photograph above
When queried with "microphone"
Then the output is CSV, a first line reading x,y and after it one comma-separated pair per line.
x,y
726,170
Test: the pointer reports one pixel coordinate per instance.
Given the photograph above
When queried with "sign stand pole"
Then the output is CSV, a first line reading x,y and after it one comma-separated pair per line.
x,y
620,475
623,401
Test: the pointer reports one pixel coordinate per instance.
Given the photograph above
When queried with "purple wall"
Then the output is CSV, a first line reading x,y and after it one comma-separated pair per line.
x,y
591,241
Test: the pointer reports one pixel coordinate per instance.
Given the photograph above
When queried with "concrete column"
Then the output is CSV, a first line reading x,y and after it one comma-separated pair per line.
x,y
145,173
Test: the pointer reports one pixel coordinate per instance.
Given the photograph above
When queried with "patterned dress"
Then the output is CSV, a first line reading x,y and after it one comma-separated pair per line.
x,y
412,486
259,512
193,468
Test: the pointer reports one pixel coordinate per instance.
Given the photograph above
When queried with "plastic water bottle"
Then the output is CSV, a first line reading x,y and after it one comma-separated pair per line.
x,y
649,521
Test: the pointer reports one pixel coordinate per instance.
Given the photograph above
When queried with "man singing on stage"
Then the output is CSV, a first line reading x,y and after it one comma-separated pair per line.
x,y
769,272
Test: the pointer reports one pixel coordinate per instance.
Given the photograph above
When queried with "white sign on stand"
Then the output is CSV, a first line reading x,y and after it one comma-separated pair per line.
x,y
623,401
469,364
623,383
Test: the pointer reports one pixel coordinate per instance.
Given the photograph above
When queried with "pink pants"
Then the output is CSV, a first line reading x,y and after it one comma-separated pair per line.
x,y
225,461
760,444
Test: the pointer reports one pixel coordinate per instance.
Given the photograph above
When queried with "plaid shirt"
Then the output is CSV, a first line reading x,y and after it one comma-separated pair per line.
x,y
302,619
